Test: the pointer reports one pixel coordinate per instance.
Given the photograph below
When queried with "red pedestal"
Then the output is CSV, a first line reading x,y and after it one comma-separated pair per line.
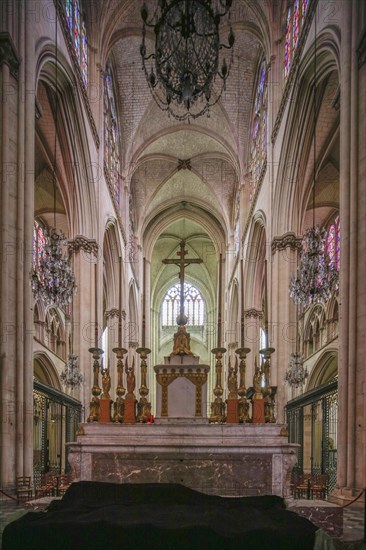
x,y
130,417
232,414
258,411
105,411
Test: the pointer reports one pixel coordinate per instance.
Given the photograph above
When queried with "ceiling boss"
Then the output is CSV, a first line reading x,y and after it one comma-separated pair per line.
x,y
188,55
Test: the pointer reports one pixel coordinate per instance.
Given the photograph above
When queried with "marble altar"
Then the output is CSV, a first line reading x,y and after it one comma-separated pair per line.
x,y
227,460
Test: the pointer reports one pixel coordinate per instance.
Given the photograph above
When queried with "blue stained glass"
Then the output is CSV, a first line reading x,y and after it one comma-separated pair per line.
x,y
288,43
84,55
68,9
296,24
77,29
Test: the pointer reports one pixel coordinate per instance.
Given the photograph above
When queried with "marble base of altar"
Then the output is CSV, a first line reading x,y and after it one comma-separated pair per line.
x,y
227,460
181,389
325,515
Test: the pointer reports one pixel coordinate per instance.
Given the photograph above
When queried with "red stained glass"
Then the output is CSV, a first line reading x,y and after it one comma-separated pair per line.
x,y
76,29
288,43
84,55
333,244
296,24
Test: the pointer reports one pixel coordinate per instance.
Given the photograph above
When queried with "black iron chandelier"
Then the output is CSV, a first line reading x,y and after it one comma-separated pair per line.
x,y
188,55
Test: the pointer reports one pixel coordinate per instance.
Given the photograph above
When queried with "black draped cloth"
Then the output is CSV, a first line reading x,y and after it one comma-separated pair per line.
x,y
108,516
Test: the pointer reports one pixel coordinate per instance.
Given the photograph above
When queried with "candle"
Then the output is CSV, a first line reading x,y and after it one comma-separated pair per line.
x,y
219,304
96,302
242,304
143,302
120,305
265,305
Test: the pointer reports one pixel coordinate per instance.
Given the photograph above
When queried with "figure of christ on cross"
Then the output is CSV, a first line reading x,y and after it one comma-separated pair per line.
x,y
181,338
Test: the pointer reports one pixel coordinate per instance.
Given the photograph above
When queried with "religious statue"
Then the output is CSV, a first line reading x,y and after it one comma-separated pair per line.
x,y
257,382
266,372
130,380
106,384
181,342
232,382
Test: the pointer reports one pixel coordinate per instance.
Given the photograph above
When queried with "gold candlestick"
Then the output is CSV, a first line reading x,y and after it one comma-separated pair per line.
x,y
143,407
268,391
119,405
96,391
242,391
218,406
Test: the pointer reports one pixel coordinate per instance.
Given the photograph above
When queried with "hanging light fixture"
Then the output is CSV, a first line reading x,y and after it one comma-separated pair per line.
x,y
316,279
52,279
296,373
71,375
187,58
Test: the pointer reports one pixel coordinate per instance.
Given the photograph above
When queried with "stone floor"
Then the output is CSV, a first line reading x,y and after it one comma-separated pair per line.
x,y
352,538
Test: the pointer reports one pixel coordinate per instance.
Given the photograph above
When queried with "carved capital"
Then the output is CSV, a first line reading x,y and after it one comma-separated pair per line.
x,y
286,240
114,312
8,54
256,313
80,242
361,51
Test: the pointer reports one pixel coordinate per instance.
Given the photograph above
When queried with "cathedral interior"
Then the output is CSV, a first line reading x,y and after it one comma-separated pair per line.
x,y
222,225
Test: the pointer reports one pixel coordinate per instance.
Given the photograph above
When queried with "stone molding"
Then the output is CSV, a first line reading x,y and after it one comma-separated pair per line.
x,y
361,51
287,240
256,313
8,54
88,245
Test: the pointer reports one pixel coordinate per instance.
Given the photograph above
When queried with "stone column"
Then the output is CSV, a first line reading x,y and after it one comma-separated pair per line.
x,y
85,251
351,475
283,329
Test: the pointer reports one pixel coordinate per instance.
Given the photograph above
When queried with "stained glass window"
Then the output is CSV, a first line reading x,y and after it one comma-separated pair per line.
x,y
111,136
84,55
288,43
194,305
333,244
39,242
294,23
68,9
77,30
259,129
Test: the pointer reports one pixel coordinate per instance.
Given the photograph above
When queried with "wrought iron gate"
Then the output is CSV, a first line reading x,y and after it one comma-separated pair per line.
x,y
55,421
312,423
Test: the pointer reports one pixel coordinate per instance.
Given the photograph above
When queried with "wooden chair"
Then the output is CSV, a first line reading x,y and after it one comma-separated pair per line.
x,y
63,483
48,485
318,486
303,487
24,489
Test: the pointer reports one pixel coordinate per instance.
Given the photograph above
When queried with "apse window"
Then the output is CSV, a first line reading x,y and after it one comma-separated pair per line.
x,y
194,306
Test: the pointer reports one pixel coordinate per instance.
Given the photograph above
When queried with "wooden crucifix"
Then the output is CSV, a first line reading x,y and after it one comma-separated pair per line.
x,y
182,263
